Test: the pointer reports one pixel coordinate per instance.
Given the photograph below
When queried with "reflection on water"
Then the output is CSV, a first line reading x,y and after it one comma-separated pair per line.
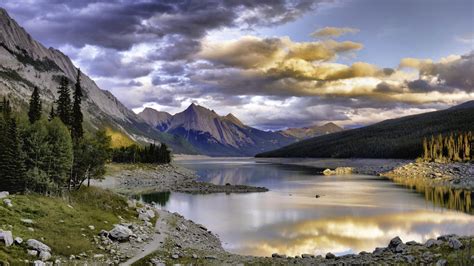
x,y
455,199
160,198
354,213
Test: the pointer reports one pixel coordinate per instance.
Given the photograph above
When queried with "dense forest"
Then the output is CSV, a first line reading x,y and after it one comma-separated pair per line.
x,y
136,154
455,147
48,155
395,138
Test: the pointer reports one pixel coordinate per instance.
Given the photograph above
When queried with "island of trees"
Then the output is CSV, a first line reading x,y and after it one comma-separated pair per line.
x,y
49,155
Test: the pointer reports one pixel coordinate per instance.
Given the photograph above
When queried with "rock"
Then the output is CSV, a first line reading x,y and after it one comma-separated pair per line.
x,y
31,229
91,227
412,243
37,245
209,257
120,233
401,248
378,251
343,170
27,221
441,262
18,240
103,233
431,242
394,243
4,194
7,237
276,255
447,237
44,255
306,256
317,196
455,244
32,252
194,256
329,172
330,256
8,203
175,256
39,263
410,259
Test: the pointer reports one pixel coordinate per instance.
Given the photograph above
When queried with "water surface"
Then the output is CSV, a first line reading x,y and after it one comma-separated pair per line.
x,y
352,213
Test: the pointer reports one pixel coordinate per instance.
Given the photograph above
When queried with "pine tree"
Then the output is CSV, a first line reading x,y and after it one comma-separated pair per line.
x,y
64,109
77,117
52,113
35,108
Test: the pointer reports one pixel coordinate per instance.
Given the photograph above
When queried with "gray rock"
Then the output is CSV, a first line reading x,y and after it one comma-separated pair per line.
x,y
378,251
39,263
306,256
431,242
32,252
27,221
37,245
410,259
446,237
276,255
7,237
454,243
120,233
4,194
394,243
8,203
175,256
44,255
194,256
18,240
401,248
209,257
441,262
330,256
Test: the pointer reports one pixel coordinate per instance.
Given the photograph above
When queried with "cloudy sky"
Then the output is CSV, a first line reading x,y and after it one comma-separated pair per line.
x,y
273,63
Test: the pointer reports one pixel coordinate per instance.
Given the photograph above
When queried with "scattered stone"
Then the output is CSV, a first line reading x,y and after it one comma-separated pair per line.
x,y
103,233
455,244
394,243
431,242
31,229
410,259
441,262
175,256
98,256
330,256
120,233
91,227
209,257
7,237
39,263
4,194
18,240
8,203
37,245
306,256
44,255
27,221
32,252
194,256
329,172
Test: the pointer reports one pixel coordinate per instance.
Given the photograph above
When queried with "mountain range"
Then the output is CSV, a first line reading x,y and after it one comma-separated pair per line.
x,y
393,138
216,135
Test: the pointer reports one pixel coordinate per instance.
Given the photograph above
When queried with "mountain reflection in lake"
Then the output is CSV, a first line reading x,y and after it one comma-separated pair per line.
x,y
354,212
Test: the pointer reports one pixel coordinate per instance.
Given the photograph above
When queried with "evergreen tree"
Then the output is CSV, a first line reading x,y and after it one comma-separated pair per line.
x,y
77,131
64,108
52,113
59,160
12,171
35,108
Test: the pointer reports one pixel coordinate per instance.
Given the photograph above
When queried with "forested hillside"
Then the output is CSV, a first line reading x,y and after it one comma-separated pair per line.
x,y
395,138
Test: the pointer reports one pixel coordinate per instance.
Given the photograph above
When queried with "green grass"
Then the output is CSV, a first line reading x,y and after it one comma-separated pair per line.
x,y
60,226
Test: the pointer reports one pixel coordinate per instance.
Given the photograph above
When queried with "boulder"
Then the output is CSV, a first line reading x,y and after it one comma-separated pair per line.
x,y
7,237
4,194
394,243
44,255
442,262
26,221
37,245
455,243
8,203
39,263
431,242
120,233
343,170
18,240
32,252
330,256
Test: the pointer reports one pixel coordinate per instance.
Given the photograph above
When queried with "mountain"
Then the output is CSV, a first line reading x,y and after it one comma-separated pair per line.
x,y
313,131
394,138
25,63
215,135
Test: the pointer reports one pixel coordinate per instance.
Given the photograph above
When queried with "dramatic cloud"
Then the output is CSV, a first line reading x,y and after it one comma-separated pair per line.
x,y
332,32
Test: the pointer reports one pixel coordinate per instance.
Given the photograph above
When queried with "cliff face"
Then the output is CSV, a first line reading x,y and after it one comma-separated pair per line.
x,y
25,63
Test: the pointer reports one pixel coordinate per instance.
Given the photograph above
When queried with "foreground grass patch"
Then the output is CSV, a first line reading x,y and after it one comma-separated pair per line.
x,y
62,223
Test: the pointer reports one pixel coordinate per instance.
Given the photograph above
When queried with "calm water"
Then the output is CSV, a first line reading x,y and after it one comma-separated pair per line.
x,y
352,214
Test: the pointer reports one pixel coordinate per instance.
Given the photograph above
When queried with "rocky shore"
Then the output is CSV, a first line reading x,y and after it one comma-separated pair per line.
x,y
452,175
187,243
166,178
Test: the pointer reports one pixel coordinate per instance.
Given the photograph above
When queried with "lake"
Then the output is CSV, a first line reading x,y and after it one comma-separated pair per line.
x,y
352,213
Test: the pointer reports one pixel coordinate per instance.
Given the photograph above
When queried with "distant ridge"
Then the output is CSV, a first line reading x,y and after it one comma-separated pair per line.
x,y
313,131
394,138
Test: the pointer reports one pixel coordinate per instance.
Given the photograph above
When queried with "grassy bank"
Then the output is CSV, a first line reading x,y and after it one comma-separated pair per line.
x,y
62,223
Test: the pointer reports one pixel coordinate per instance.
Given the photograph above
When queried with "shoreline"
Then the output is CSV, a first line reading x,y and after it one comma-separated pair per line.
x,y
178,240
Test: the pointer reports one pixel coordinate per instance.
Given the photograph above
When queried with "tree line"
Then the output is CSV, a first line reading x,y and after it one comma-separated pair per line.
x,y
136,154
48,155
454,147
